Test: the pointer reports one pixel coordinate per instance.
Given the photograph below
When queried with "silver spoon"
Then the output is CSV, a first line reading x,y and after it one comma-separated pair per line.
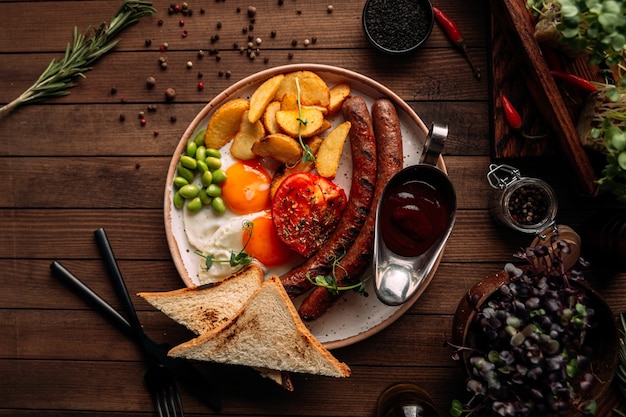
x,y
414,219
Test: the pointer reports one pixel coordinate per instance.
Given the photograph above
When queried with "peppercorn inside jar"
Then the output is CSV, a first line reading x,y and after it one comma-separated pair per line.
x,y
524,204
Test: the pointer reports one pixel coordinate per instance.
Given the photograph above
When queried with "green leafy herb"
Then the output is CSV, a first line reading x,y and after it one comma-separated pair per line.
x,y
330,281
240,258
80,54
307,156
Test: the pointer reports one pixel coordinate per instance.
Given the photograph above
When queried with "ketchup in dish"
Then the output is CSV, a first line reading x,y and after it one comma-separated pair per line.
x,y
414,214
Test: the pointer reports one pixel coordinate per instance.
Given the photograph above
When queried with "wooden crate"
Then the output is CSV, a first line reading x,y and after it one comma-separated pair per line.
x,y
520,70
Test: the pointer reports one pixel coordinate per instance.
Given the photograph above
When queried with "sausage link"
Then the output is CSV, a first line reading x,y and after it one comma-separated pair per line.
x,y
358,258
363,149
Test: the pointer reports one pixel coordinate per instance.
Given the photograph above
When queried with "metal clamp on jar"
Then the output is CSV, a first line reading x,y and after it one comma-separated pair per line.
x,y
525,204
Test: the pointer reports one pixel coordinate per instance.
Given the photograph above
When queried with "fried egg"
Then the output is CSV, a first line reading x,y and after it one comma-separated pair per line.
x,y
246,194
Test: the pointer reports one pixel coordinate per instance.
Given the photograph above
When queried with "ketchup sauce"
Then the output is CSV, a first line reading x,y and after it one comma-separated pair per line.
x,y
413,215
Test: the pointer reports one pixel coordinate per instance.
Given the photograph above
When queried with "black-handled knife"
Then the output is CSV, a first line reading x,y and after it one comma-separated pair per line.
x,y
189,376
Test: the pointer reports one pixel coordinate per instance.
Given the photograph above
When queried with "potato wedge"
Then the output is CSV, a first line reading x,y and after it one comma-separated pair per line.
x,y
280,147
313,89
289,122
269,117
289,102
225,123
262,96
338,93
323,128
302,166
327,159
248,133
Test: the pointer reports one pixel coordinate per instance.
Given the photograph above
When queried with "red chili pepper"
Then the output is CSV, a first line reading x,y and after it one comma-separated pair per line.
x,y
454,34
575,80
514,119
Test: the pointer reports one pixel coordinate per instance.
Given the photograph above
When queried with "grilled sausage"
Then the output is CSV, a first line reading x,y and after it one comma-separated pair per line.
x,y
363,148
359,256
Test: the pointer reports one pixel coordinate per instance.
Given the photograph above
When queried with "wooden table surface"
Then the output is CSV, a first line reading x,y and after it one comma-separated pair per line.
x,y
71,166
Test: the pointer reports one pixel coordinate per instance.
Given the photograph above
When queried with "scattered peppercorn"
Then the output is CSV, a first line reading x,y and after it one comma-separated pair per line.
x,y
143,122
266,60
160,22
201,10
150,82
148,42
280,2
170,94
219,25
200,86
141,115
152,108
330,8
251,11
200,74
220,73
181,22
273,34
189,64
290,55
294,42
155,133
200,53
122,118
113,90
238,9
228,74
184,33
298,11
172,118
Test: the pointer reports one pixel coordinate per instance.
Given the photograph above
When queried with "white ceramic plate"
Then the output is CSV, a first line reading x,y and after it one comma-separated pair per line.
x,y
354,317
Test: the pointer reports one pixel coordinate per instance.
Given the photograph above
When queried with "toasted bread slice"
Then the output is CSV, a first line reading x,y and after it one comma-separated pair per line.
x,y
268,333
207,307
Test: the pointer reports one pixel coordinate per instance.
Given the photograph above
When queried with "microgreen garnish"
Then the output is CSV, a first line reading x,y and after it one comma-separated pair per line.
x,y
241,258
330,281
80,54
307,155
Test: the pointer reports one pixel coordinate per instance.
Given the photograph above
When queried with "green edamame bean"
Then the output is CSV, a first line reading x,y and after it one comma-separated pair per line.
x,y
189,191
202,166
179,201
191,148
204,197
199,139
201,153
213,163
213,152
218,205
180,182
207,178
214,190
219,176
188,162
185,172
194,205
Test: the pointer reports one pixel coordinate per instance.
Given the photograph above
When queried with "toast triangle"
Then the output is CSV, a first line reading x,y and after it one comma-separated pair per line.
x,y
267,332
207,307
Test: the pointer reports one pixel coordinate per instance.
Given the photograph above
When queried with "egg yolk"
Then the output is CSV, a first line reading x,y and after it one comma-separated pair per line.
x,y
247,187
265,245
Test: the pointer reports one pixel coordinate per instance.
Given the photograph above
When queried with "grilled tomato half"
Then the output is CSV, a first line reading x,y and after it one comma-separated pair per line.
x,y
306,209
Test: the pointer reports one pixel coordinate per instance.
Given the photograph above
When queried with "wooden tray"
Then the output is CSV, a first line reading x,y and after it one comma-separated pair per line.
x,y
519,69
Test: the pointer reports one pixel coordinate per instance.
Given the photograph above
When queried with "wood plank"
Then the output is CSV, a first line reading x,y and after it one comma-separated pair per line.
x,y
49,30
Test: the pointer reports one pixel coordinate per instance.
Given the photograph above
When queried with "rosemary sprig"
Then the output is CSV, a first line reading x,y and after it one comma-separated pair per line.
x,y
80,54
621,369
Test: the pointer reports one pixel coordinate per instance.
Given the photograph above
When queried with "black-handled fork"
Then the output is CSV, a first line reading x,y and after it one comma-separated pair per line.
x,y
186,373
160,381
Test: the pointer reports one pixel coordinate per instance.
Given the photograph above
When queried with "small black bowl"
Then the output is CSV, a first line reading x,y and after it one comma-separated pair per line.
x,y
397,27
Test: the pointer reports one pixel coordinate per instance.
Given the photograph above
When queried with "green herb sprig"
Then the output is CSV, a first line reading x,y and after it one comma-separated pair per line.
x,y
621,369
307,156
241,258
330,281
80,54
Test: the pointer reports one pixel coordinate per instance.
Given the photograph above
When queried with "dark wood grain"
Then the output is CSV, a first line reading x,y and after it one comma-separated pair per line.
x,y
71,165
